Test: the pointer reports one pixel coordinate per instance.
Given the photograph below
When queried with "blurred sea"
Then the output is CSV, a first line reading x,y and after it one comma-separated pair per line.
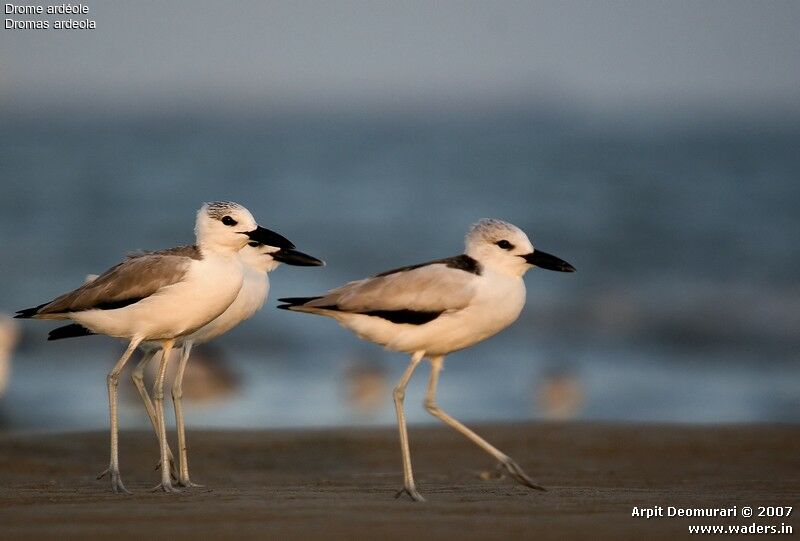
x,y
685,306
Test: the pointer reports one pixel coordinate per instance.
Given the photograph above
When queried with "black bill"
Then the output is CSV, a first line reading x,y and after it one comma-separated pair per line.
x,y
270,238
298,259
546,261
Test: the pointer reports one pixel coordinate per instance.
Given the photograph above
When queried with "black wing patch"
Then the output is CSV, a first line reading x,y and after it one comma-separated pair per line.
x,y
411,317
113,305
461,262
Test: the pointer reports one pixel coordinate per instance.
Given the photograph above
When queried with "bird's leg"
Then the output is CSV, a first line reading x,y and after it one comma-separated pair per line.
x,y
177,394
513,469
399,395
158,398
113,382
138,379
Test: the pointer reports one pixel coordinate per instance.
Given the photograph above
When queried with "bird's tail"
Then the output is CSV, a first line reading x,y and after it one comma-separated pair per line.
x,y
73,330
28,313
291,303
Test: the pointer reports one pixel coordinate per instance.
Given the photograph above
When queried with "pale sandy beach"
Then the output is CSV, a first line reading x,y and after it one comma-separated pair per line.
x,y
340,484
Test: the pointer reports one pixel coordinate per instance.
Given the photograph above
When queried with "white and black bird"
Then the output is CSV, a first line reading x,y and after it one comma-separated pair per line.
x,y
436,308
160,297
258,259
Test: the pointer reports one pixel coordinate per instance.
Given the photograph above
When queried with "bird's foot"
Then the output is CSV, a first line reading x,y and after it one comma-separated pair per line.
x,y
187,483
411,492
166,487
116,481
517,474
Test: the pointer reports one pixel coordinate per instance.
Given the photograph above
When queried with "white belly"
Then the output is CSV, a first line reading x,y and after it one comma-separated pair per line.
x,y
207,290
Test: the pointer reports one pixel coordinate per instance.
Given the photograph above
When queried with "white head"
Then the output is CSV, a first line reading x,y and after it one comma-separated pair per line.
x,y
505,248
224,226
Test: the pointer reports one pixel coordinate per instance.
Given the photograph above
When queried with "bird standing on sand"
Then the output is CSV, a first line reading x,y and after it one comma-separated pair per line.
x,y
436,308
258,259
161,296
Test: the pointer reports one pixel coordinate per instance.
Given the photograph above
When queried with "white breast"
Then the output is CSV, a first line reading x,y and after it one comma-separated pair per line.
x,y
250,299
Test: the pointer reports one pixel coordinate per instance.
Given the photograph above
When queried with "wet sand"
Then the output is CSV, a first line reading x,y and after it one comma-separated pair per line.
x,y
340,484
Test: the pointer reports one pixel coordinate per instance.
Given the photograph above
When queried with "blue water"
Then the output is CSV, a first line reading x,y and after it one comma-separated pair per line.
x,y
685,306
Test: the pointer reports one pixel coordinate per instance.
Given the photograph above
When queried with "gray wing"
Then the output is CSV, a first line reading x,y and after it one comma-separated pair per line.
x,y
430,288
129,282
190,250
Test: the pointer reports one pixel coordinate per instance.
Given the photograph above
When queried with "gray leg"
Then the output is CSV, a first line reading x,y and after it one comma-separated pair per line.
x,y
113,382
399,395
510,466
158,398
177,394
138,379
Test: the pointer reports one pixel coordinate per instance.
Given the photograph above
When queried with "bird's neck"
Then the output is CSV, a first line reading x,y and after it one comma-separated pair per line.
x,y
225,251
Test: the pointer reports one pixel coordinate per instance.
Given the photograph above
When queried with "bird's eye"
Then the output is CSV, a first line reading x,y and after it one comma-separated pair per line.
x,y
253,243
505,245
227,220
